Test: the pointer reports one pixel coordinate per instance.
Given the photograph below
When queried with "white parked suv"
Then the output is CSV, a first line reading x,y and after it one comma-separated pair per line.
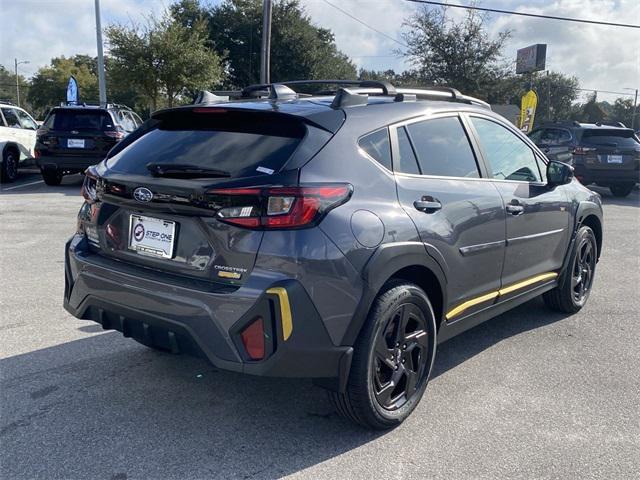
x,y
17,139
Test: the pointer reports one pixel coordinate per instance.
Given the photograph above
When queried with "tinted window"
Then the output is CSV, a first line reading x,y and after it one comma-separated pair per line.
x,y
78,119
26,121
407,162
443,148
551,136
508,156
239,145
377,146
609,137
11,118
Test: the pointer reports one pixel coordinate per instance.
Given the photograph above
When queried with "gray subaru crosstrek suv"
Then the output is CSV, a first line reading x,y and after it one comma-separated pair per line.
x,y
338,236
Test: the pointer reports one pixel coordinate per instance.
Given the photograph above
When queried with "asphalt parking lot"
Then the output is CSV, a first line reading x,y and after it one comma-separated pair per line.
x,y
530,394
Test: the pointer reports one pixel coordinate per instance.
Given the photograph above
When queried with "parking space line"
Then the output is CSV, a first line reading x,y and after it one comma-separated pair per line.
x,y
23,185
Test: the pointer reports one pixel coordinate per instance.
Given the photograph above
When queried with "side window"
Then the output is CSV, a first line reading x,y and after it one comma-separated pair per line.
x,y
377,146
564,136
508,156
536,136
406,162
543,168
125,121
11,118
443,148
136,119
26,121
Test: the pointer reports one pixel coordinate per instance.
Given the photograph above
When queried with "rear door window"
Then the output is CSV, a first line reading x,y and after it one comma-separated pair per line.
x,y
11,117
407,161
26,121
377,146
610,138
79,119
442,148
240,144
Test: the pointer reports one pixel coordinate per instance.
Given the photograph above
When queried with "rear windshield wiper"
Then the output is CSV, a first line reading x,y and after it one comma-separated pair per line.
x,y
184,170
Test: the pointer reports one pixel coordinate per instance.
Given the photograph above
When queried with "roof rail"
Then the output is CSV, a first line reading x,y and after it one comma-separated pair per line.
x,y
6,101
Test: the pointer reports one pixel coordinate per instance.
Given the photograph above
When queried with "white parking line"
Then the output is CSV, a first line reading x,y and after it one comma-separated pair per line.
x,y
23,185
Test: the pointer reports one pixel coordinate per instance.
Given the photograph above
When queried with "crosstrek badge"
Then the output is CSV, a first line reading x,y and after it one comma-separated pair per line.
x,y
232,273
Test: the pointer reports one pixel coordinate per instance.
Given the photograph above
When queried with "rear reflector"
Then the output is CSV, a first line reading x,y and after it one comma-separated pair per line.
x,y
278,207
253,339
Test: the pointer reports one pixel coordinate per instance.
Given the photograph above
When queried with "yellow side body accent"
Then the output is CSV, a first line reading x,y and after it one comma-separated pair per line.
x,y
503,291
285,310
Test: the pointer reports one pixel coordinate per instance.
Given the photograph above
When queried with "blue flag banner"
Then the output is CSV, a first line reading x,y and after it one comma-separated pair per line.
x,y
72,91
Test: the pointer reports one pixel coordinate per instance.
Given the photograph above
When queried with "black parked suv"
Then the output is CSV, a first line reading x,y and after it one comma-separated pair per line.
x,y
339,236
74,137
608,155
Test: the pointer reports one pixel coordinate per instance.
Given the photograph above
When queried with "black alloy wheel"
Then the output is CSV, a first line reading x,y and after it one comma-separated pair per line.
x,y
583,268
401,357
9,166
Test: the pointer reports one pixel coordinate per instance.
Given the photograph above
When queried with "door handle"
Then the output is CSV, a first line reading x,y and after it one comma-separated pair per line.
x,y
427,204
514,208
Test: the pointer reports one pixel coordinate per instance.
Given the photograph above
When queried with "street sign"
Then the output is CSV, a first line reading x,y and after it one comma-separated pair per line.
x,y
531,58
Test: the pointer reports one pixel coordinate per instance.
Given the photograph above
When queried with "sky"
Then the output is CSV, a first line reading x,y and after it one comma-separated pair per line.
x,y
602,57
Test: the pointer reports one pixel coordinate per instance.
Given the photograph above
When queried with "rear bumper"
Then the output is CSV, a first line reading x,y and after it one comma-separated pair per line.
x,y
204,323
605,176
76,164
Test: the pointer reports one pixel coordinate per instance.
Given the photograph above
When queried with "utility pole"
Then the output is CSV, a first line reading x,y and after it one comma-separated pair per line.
x,y
635,109
16,63
102,86
265,53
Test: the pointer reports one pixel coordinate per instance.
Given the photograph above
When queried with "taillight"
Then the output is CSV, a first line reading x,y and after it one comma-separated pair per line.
x,y
88,190
253,339
583,150
118,133
277,207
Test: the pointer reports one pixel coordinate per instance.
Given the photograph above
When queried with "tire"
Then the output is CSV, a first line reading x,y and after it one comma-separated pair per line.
x,y
575,285
621,189
9,170
53,178
382,393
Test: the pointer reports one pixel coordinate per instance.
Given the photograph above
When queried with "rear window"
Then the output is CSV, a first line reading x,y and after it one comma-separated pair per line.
x,y
77,119
610,137
241,144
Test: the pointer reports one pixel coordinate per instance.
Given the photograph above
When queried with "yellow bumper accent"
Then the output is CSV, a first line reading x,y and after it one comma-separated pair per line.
x,y
503,291
285,310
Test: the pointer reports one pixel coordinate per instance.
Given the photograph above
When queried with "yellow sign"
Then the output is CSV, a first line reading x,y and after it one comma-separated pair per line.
x,y
528,111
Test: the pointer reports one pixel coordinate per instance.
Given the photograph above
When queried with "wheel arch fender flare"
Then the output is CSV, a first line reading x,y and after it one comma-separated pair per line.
x,y
388,260
585,212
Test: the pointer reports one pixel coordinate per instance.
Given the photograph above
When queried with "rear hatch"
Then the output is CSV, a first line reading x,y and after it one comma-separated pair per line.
x,y
159,201
79,132
610,149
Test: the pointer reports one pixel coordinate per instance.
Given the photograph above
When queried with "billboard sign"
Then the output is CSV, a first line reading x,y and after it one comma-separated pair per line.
x,y
532,58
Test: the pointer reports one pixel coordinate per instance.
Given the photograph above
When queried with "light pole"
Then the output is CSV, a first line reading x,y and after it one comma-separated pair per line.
x,y
101,81
18,81
635,107
265,53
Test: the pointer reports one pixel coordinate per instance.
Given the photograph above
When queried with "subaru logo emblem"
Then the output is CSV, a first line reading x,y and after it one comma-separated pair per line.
x,y
142,194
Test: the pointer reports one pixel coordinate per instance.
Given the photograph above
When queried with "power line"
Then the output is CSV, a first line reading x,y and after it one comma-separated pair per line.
x,y
365,24
604,91
523,14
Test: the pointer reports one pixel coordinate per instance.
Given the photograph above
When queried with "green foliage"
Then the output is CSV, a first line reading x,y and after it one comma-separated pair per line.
x,y
8,86
458,54
49,85
405,79
163,60
299,49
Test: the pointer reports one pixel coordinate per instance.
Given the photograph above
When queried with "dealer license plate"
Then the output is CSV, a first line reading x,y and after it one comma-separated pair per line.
x,y
151,236
75,143
614,158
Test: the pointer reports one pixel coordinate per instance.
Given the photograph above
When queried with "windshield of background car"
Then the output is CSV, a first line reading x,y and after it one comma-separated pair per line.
x,y
610,137
77,119
241,144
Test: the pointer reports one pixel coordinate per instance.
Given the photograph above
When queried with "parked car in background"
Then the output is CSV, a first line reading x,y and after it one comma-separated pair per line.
x,y
608,155
17,139
74,137
338,236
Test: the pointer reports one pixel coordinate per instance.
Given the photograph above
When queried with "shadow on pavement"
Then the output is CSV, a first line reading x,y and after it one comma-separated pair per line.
x,y
104,407
30,182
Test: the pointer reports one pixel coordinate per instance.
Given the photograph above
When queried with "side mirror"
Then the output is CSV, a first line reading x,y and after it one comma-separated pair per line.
x,y
558,173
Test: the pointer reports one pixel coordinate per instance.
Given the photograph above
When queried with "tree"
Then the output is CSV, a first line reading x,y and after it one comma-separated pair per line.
x,y
8,85
163,60
299,49
49,85
622,111
458,54
405,79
